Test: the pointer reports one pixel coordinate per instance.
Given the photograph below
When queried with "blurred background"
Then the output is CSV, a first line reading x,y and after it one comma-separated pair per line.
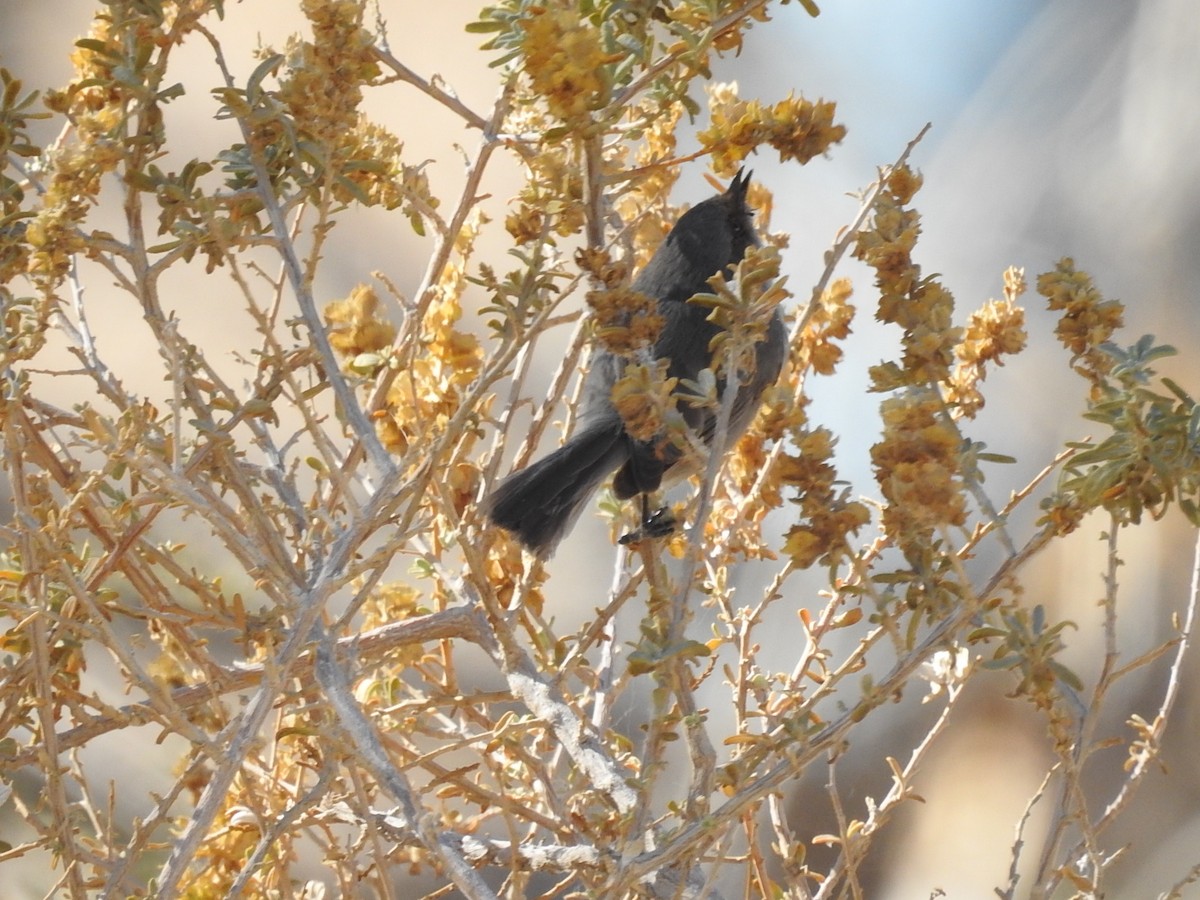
x,y
1060,128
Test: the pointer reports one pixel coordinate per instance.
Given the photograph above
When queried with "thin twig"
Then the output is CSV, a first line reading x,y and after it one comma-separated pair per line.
x,y
686,840
1152,739
429,88
461,623
363,428
370,753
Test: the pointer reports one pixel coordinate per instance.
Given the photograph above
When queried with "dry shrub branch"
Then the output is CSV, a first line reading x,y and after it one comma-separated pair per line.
x,y
280,559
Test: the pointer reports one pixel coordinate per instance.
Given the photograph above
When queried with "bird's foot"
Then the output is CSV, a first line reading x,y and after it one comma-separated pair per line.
x,y
655,524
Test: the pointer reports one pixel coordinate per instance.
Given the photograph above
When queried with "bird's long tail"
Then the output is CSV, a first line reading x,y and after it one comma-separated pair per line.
x,y
540,503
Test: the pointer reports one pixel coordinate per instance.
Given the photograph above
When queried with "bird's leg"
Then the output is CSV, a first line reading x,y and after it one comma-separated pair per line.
x,y
655,524
658,523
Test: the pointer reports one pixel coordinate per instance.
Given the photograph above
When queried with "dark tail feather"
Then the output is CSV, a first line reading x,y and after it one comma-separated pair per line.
x,y
539,504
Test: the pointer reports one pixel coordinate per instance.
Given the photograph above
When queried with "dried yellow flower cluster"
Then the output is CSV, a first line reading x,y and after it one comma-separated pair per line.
x,y
917,462
827,518
563,59
624,320
647,208
993,332
428,393
779,413
96,103
552,198
921,306
798,128
322,90
643,397
355,325
829,321
600,265
389,602
1088,320
383,179
698,18
918,468
323,87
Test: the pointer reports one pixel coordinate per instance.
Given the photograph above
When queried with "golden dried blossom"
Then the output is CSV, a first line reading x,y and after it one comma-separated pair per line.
x,y
564,60
797,128
376,175
903,184
506,573
996,330
825,538
355,325
643,397
699,17
462,486
756,469
624,320
923,307
554,191
427,393
781,408
602,267
747,463
97,103
388,603
887,248
526,224
659,140
917,466
1063,512
827,518
429,390
828,321
323,85
993,332
1087,321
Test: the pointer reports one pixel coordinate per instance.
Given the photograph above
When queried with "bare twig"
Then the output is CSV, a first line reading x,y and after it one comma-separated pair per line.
x,y
460,623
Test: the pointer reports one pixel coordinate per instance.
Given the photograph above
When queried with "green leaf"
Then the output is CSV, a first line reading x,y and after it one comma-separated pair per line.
x,y
11,90
141,181
996,458
641,663
166,95
1109,450
1004,662
354,190
1178,391
97,46
506,58
984,633
1065,674
264,68
1190,510
485,26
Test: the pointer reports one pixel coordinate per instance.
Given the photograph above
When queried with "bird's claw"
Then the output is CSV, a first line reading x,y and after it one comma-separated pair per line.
x,y
656,524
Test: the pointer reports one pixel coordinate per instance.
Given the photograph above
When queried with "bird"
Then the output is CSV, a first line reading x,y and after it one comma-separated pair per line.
x,y
539,504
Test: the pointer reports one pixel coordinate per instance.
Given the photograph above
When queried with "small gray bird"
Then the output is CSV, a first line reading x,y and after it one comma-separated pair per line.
x,y
540,503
